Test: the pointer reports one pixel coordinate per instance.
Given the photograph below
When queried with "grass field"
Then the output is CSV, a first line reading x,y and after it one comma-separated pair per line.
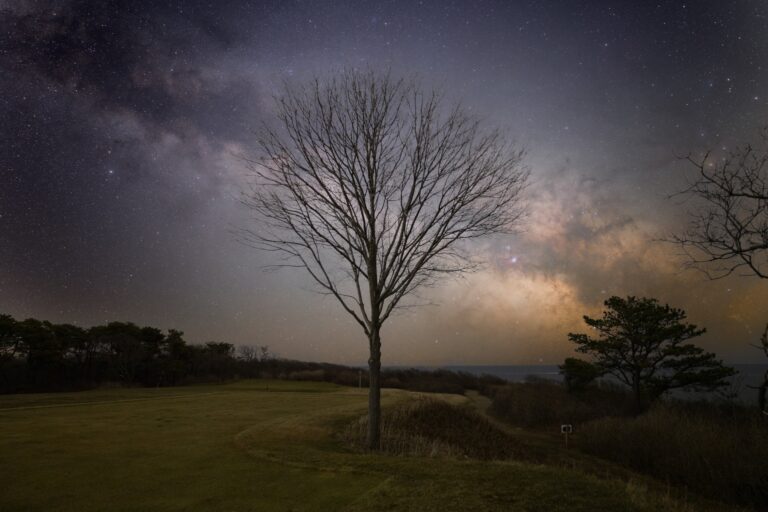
x,y
259,446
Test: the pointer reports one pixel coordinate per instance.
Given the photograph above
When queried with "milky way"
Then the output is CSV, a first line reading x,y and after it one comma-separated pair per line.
x,y
123,124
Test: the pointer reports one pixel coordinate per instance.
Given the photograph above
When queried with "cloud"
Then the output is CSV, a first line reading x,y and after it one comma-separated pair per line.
x,y
583,229
117,132
582,244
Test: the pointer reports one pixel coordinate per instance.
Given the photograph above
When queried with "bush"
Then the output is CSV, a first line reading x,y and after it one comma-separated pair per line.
x,y
718,455
578,374
428,427
543,403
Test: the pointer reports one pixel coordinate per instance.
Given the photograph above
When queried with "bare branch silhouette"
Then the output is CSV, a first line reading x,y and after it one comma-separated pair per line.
x,y
373,187
728,229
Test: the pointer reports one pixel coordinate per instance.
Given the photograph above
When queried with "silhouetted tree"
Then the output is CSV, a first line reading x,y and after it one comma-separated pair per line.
x,y
642,344
9,346
42,351
248,353
71,341
178,357
371,186
219,359
578,374
126,352
40,356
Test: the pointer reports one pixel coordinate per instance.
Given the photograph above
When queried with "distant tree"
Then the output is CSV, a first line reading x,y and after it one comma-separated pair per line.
x,y
248,359
642,344
8,334
248,353
219,359
178,357
125,350
9,345
153,340
71,341
728,229
371,186
578,374
39,356
43,352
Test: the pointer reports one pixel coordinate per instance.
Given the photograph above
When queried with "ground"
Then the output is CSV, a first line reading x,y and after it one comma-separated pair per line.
x,y
259,446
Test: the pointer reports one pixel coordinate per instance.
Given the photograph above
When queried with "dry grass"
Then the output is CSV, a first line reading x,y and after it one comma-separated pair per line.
x,y
541,403
435,428
719,451
720,457
268,446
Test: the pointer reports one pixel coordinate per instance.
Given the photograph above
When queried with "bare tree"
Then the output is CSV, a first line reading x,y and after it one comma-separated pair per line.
x,y
371,186
248,353
728,230
762,389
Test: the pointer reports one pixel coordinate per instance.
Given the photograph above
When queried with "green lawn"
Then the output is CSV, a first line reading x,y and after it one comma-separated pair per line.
x,y
256,446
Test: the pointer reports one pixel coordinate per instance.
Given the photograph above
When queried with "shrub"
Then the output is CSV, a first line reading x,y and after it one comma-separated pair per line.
x,y
718,455
578,374
543,403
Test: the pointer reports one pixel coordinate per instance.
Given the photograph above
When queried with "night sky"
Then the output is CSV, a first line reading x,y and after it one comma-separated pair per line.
x,y
122,124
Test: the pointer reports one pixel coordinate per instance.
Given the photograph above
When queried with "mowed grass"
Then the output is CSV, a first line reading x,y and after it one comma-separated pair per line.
x,y
256,446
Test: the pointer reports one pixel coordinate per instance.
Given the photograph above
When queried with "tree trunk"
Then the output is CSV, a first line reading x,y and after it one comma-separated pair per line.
x,y
761,394
637,390
374,390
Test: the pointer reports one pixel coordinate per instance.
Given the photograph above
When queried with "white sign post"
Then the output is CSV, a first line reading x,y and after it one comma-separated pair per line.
x,y
566,429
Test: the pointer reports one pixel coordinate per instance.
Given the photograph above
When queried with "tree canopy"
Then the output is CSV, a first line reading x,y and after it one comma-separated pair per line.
x,y
373,185
643,344
37,355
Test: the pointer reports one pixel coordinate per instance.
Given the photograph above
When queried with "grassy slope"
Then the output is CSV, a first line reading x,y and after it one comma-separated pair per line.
x,y
240,447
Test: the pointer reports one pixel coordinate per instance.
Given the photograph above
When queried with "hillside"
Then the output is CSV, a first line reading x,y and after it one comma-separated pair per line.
x,y
259,446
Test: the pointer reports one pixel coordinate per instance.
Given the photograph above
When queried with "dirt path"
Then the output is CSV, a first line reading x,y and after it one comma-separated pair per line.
x,y
540,439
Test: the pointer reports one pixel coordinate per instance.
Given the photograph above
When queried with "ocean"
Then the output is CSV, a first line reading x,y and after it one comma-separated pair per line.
x,y
748,375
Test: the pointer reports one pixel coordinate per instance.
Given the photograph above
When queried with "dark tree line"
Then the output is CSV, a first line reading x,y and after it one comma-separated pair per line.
x,y
38,355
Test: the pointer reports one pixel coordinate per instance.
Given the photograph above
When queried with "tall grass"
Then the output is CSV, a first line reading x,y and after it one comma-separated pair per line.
x,y
435,428
721,456
541,403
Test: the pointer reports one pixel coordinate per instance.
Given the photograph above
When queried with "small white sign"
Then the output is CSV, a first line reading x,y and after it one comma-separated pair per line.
x,y
566,429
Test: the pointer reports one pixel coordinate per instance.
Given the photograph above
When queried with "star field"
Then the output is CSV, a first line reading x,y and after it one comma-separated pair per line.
x,y
123,122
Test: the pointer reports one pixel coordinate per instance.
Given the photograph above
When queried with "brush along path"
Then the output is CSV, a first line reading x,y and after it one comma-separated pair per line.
x,y
239,447
548,447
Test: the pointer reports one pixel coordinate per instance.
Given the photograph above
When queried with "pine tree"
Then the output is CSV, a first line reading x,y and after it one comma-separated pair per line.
x,y
643,344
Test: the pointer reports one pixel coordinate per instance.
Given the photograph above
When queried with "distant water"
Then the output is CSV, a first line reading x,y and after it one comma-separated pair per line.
x,y
515,373
748,375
